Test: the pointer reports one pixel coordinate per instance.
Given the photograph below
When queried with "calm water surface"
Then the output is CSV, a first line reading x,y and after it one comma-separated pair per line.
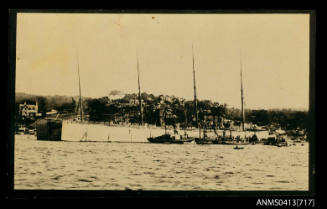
x,y
120,166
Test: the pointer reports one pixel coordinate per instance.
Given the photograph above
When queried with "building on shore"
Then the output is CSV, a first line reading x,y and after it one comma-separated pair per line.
x,y
29,111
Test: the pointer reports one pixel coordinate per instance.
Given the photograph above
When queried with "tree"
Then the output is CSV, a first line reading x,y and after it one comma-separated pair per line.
x,y
218,112
96,109
260,117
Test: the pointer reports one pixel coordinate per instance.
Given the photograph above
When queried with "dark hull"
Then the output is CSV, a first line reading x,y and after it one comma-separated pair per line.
x,y
216,141
164,140
48,129
276,142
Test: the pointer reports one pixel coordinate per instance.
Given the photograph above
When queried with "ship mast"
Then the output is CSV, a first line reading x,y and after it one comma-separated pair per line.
x,y
80,94
242,96
185,115
195,98
139,87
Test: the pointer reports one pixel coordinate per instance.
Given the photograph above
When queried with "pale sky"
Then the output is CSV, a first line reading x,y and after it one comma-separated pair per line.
x,y
274,50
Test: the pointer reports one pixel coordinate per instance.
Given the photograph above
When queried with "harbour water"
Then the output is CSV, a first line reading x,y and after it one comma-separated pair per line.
x,y
67,165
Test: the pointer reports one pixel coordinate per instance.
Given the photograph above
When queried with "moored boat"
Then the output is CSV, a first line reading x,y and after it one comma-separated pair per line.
x,y
276,141
165,138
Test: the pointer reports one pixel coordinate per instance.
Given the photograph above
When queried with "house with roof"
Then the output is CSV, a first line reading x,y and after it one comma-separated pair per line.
x,y
29,111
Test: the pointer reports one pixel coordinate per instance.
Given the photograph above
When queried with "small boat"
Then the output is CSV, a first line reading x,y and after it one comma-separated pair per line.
x,y
281,142
237,147
165,139
276,141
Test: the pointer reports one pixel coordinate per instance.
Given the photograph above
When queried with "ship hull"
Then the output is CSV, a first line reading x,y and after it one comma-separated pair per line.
x,y
75,131
164,141
49,129
88,131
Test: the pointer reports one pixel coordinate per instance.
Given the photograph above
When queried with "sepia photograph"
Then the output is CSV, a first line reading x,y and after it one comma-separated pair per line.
x,y
162,101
